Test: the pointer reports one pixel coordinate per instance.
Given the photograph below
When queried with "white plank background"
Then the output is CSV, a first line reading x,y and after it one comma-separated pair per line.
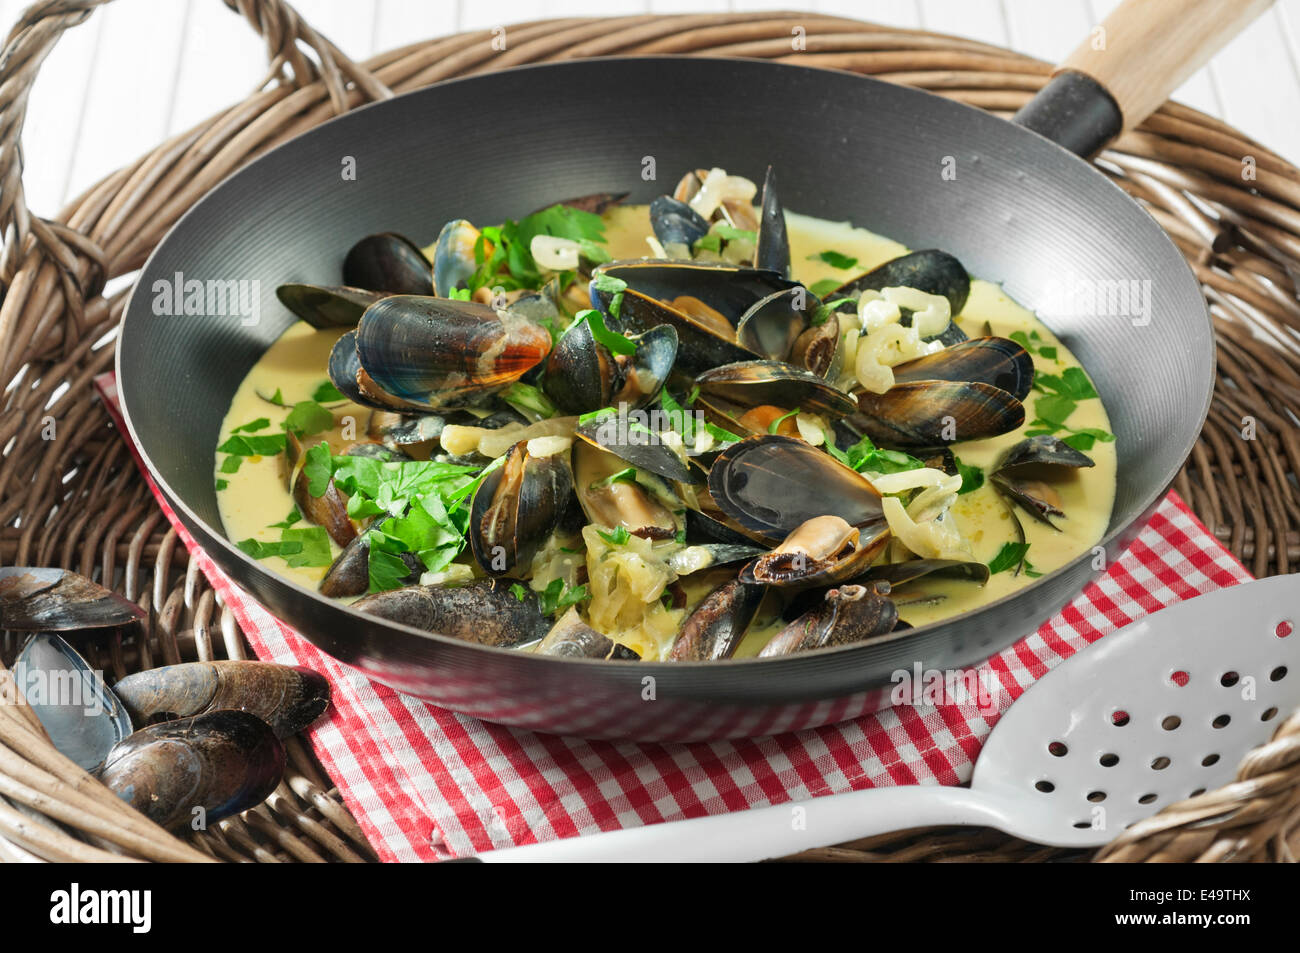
x,y
139,70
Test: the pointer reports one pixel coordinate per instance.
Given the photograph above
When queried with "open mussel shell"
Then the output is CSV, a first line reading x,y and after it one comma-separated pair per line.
x,y
83,718
701,345
644,505
330,509
583,375
822,552
517,506
992,360
453,256
772,247
755,383
286,698
770,485
676,225
847,614
193,772
325,306
931,413
730,290
436,353
486,612
34,599
570,637
773,324
629,439
390,263
716,626
1042,450
349,574
930,270
1026,473
817,348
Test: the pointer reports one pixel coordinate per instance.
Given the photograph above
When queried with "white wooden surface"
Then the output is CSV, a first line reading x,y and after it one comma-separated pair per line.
x,y
139,70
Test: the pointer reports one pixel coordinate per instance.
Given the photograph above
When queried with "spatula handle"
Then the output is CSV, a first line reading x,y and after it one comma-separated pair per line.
x,y
766,832
1129,65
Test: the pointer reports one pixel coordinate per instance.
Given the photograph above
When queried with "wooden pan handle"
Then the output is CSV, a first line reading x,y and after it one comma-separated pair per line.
x,y
1145,49
1129,65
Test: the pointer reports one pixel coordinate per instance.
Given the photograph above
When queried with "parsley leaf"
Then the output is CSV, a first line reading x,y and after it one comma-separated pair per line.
x,y
972,477
824,287
775,425
327,393
253,446
616,538
1010,556
307,418
612,340
835,259
261,423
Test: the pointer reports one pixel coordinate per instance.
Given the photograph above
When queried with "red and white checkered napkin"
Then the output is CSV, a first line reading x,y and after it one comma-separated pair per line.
x,y
426,783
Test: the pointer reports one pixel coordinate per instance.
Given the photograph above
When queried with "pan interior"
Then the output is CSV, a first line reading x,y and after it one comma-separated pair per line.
x,y
930,173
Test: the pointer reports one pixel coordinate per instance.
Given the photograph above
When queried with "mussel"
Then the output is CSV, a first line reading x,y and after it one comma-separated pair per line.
x,y
714,629
495,612
676,225
1025,474
582,375
753,383
821,552
570,637
772,246
931,412
435,353
639,501
389,263
453,256
325,306
286,698
930,270
82,717
517,505
328,509
705,302
193,772
847,614
1000,362
770,485
34,599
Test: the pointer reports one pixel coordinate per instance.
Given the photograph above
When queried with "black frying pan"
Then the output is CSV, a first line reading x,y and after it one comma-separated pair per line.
x,y
1021,210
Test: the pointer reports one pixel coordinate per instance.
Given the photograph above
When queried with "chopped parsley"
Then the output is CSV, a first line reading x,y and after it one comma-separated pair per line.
x,y
503,256
1031,342
307,418
612,340
865,455
246,445
775,425
825,287
972,477
327,393
612,286
617,538
261,423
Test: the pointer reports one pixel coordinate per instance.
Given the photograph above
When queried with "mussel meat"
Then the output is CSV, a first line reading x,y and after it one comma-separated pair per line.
x,y
517,505
823,551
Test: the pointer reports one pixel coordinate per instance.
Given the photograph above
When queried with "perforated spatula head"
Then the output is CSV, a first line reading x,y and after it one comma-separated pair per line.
x,y
1155,713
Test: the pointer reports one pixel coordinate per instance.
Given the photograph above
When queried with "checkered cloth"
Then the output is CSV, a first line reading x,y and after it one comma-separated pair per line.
x,y
427,784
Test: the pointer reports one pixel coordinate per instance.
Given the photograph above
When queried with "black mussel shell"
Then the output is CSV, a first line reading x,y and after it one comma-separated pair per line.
x,y
487,612
390,263
324,306
997,361
34,599
931,413
716,626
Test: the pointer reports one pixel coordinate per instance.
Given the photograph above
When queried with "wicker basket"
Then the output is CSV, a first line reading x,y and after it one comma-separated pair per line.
x,y
79,502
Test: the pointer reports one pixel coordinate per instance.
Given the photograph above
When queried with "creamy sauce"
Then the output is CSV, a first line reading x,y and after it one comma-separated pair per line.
x,y
257,495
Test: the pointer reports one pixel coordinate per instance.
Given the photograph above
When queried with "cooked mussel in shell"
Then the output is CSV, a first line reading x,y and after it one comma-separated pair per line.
x,y
1026,474
324,306
570,637
436,353
196,770
518,505
846,615
715,628
821,552
389,263
496,612
286,698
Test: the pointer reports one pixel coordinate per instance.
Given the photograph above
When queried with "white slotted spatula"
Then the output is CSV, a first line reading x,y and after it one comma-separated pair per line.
x,y
1152,714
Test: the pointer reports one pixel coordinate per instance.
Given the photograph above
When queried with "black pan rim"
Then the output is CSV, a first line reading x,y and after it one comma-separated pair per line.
x,y
215,538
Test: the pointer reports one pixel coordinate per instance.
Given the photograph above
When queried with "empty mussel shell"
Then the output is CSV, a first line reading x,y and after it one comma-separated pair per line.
x,y
82,717
286,698
55,600
190,773
772,245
